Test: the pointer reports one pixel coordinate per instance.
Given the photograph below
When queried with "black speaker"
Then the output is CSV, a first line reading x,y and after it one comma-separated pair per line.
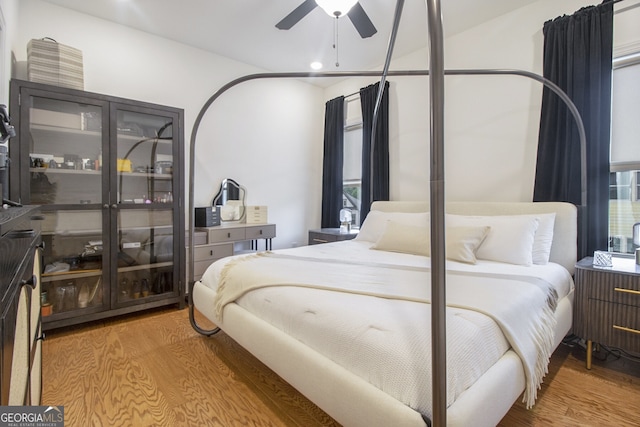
x,y
207,217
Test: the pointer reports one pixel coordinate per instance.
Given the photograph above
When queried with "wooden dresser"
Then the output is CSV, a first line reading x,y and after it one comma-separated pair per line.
x,y
21,330
221,239
607,304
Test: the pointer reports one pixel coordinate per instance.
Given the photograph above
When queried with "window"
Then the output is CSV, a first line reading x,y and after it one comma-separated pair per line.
x,y
624,181
352,166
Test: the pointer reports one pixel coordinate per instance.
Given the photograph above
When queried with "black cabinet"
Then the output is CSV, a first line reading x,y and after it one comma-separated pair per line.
x,y
20,328
108,175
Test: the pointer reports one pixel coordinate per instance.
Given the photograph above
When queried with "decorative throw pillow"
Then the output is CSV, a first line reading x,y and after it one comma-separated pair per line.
x,y
510,239
376,222
404,238
461,242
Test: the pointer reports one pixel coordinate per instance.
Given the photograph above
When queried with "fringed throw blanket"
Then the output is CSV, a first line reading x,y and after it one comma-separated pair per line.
x,y
522,306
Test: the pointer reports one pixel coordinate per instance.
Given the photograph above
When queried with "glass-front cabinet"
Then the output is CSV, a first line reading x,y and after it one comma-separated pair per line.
x,y
107,173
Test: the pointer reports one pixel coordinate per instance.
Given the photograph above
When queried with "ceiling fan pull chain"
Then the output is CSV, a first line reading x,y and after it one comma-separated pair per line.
x,y
335,40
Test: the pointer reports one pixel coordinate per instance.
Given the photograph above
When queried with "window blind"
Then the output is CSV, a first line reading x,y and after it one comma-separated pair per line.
x,y
625,111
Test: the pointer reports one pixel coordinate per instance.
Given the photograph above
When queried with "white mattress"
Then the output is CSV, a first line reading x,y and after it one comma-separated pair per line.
x,y
387,342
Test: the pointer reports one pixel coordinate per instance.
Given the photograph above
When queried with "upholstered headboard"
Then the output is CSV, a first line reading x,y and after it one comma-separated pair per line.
x,y
564,248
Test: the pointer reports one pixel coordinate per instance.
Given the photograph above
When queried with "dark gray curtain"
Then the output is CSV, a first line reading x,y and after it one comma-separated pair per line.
x,y
380,184
332,162
578,57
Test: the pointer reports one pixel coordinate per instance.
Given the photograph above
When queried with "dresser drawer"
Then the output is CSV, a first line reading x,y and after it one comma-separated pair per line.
x,y
221,235
615,325
199,267
205,255
260,232
212,252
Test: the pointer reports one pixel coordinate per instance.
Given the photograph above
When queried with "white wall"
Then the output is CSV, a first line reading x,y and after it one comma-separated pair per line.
x,y
8,15
491,122
266,135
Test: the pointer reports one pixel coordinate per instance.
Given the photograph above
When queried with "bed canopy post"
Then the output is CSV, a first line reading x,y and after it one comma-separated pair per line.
x,y
436,203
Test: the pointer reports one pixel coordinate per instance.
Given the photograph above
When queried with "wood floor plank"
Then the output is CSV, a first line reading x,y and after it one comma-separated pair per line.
x,y
154,369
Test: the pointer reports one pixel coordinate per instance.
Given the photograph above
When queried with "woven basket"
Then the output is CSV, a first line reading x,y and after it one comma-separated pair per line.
x,y
53,63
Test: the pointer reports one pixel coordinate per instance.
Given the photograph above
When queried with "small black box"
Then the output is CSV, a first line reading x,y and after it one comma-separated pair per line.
x,y
207,217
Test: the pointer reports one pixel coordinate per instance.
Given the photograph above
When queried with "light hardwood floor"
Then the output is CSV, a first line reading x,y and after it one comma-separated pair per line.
x,y
153,369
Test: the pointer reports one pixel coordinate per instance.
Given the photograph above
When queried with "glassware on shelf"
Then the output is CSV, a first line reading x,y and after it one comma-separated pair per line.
x,y
65,298
124,289
88,292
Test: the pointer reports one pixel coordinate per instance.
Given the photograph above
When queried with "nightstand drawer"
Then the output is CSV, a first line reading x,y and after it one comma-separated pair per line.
x,y
618,325
326,235
315,238
260,232
619,288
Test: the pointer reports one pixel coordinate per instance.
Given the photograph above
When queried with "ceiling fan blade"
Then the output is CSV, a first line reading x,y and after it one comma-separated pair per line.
x,y
298,13
361,21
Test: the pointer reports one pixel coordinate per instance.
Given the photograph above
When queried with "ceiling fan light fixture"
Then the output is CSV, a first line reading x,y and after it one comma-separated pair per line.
x,y
336,8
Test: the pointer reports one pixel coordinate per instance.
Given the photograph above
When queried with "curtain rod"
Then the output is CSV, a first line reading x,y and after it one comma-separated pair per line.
x,y
352,94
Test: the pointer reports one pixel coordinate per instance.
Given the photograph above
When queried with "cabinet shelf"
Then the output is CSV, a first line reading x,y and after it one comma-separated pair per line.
x,y
79,274
84,133
147,175
37,127
66,171
145,267
66,275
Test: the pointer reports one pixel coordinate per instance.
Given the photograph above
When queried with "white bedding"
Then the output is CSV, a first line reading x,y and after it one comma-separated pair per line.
x,y
386,341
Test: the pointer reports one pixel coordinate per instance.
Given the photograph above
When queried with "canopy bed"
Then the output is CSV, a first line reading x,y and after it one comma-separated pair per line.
x,y
314,361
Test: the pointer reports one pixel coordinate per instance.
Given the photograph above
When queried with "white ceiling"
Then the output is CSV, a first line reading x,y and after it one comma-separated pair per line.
x,y
245,30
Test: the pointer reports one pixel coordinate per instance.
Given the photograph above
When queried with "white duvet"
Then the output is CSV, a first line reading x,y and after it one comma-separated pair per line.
x,y
386,340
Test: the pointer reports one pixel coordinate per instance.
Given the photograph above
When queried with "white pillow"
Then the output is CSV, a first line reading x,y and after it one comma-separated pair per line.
x,y
544,238
376,222
510,239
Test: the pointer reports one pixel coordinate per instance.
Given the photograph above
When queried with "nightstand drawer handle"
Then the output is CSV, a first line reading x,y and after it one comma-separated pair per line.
x,y
628,291
622,328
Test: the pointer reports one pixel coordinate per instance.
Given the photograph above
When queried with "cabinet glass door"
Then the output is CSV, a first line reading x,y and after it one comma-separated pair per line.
x,y
145,254
145,215
65,152
72,280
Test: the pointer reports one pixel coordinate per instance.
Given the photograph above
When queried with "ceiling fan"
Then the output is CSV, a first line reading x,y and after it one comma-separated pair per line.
x,y
335,8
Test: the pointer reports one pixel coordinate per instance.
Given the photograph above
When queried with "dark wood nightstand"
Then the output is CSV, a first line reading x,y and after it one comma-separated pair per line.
x,y
607,304
326,235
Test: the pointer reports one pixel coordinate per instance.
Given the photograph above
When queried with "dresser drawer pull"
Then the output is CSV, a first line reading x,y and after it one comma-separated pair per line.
x,y
320,241
622,328
628,291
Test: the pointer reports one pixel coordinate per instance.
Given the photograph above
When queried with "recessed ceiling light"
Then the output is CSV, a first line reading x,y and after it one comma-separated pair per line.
x,y
316,65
